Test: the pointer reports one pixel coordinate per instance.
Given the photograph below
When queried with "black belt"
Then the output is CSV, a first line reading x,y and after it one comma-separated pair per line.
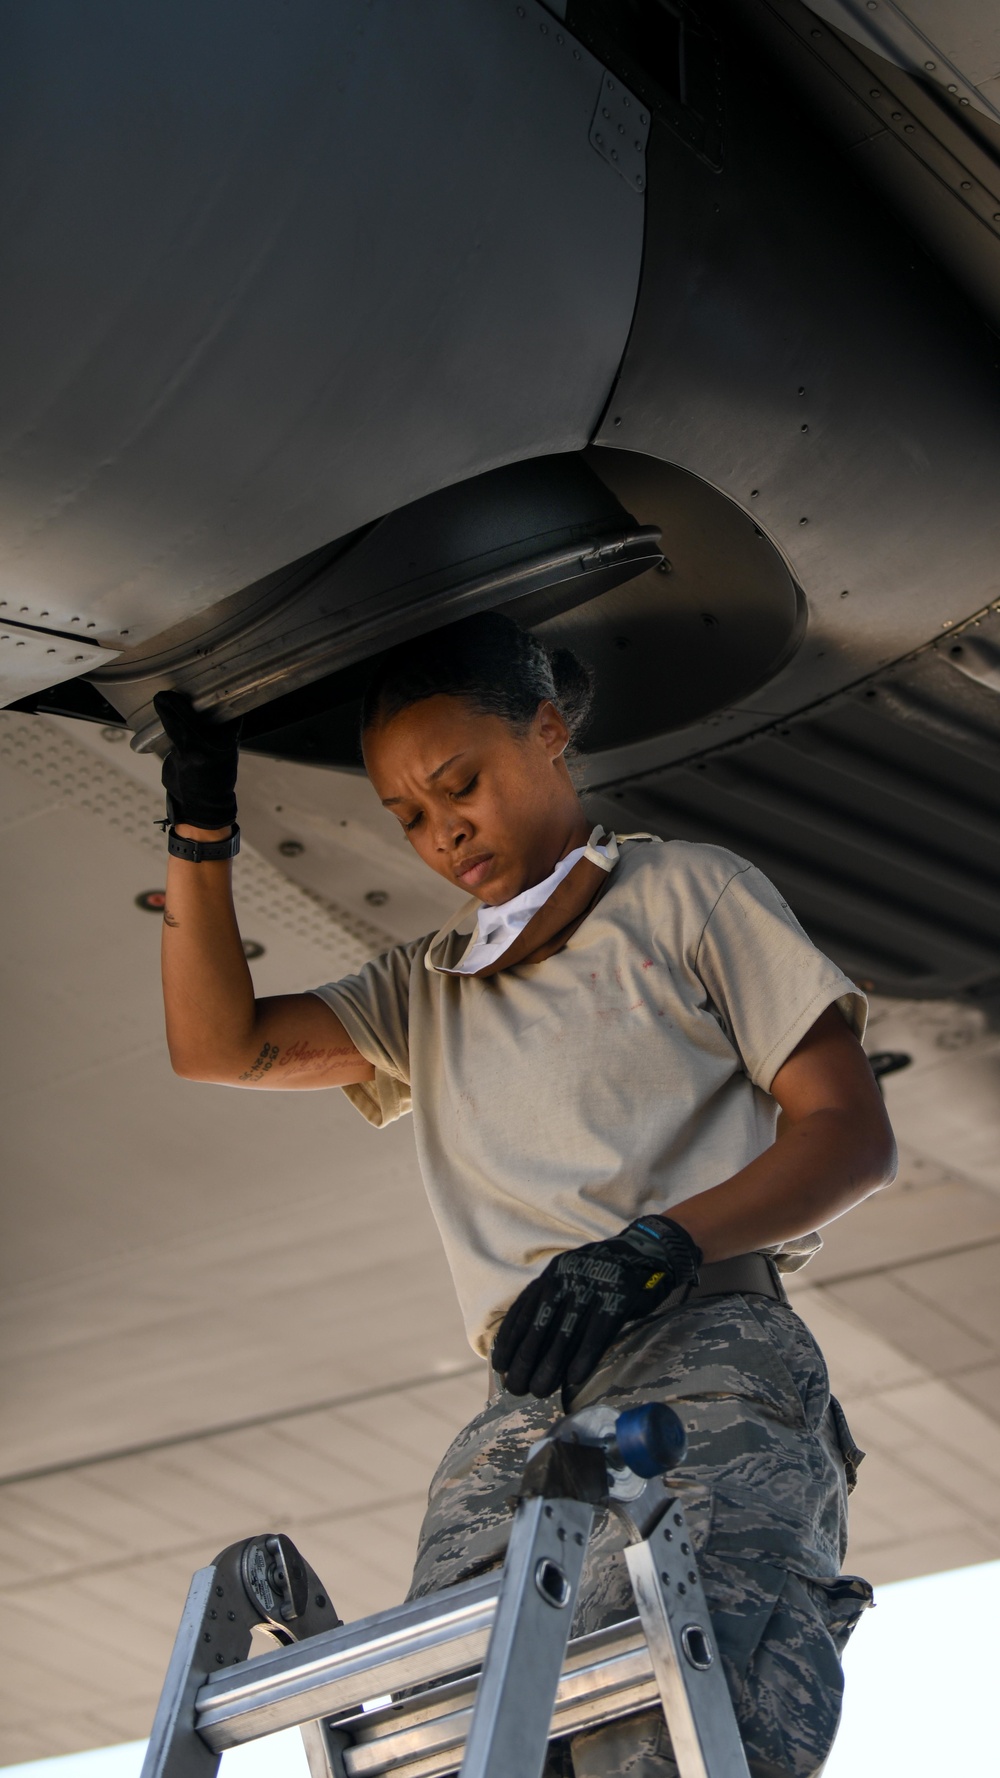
x,y
753,1274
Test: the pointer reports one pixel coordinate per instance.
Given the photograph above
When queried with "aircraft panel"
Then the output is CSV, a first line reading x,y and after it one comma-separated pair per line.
x,y
252,250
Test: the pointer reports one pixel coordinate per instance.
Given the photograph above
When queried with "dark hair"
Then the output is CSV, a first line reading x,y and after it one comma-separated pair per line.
x,y
500,669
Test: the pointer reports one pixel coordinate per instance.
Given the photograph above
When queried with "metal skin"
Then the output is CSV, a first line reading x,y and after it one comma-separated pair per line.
x,y
287,267
794,349
892,35
789,349
811,362
549,530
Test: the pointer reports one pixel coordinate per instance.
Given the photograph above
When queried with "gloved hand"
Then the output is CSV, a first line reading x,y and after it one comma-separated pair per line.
x,y
199,772
563,1322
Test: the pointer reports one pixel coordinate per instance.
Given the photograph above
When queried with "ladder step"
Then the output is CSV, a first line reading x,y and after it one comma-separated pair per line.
x,y
341,1669
605,1675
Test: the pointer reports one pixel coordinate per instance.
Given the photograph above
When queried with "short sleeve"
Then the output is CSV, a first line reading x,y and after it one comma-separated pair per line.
x,y
766,978
374,1009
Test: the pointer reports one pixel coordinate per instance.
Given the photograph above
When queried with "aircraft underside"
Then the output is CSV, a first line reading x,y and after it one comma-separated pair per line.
x,y
670,328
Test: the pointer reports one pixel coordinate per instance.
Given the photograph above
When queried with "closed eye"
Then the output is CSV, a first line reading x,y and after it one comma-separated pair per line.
x,y
466,790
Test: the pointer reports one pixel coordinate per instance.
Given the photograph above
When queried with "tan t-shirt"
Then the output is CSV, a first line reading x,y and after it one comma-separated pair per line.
x,y
554,1102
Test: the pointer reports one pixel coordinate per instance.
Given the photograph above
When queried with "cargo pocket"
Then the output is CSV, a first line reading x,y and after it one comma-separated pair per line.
x,y
794,1351
840,1603
789,1692
852,1454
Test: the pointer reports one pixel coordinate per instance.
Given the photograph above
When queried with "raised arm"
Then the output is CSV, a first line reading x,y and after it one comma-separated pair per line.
x,y
216,1029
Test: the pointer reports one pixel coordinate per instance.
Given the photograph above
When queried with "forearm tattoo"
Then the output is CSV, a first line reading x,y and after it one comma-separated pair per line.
x,y
299,1058
258,1068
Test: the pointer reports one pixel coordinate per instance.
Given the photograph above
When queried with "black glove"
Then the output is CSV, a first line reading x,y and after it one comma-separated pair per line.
x,y
563,1322
199,772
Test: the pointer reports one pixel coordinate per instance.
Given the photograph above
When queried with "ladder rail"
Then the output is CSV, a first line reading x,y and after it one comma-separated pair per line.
x,y
684,1654
173,1725
512,1715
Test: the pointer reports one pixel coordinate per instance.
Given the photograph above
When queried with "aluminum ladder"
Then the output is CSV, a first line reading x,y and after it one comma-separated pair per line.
x,y
480,1675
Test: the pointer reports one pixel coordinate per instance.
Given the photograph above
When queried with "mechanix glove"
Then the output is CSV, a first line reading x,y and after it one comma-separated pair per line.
x,y
563,1322
199,772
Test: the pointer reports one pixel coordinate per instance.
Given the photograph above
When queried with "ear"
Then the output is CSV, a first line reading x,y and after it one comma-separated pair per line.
x,y
551,729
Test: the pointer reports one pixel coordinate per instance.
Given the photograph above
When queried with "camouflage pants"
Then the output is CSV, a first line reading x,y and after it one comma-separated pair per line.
x,y
764,1488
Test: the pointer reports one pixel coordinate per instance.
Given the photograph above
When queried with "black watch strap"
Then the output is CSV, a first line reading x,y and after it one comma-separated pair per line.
x,y
203,851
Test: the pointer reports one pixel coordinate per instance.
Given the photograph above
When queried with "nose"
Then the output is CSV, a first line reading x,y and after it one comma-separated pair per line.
x,y
453,832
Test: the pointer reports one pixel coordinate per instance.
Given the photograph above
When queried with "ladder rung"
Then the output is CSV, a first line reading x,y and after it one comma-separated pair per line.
x,y
339,1670
606,1675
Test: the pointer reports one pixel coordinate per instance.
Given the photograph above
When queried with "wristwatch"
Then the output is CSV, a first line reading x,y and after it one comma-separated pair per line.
x,y
203,851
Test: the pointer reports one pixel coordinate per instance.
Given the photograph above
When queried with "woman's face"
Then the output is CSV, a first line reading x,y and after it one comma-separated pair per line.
x,y
489,809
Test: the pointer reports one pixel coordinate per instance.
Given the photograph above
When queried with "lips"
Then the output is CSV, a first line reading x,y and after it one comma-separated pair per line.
x,y
475,870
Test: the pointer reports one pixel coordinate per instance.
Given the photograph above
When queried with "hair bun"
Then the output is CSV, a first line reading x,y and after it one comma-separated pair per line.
x,y
488,659
574,683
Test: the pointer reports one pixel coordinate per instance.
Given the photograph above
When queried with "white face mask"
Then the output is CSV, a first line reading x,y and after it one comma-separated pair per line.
x,y
498,927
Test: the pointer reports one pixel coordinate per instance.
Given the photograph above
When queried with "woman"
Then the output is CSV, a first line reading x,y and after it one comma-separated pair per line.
x,y
595,1057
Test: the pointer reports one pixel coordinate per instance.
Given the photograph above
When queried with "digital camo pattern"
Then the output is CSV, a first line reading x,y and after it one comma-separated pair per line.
x,y
764,1487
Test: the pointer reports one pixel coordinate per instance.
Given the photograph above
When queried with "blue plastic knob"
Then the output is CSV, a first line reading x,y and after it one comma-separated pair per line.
x,y
650,1439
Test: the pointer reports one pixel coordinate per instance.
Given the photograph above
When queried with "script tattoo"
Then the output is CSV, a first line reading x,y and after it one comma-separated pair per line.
x,y
170,919
301,1058
258,1068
